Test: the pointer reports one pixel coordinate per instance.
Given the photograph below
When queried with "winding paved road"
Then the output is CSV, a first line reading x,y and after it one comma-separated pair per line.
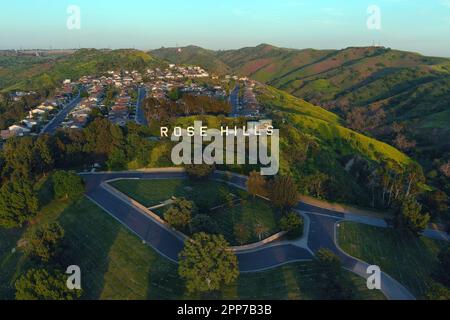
x,y
323,227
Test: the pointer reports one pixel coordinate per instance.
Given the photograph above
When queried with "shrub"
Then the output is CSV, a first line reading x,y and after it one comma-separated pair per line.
x,y
179,215
203,223
206,263
40,284
292,223
44,242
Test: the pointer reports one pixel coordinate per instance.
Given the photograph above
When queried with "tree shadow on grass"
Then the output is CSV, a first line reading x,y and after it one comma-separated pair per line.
x,y
263,285
10,261
164,282
89,234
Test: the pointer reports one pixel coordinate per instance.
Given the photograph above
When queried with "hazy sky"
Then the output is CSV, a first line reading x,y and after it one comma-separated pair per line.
x,y
415,25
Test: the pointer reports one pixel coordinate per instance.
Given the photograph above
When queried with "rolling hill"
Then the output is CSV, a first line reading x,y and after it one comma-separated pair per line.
x,y
327,159
371,88
49,73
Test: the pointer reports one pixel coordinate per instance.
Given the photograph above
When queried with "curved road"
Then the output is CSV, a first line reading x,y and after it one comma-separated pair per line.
x,y
322,231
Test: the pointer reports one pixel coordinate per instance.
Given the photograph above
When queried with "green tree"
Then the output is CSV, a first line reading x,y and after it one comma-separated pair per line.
x,y
293,224
67,185
117,160
19,155
40,284
411,217
256,184
206,263
203,223
44,154
174,94
45,242
18,201
102,139
179,214
283,192
241,233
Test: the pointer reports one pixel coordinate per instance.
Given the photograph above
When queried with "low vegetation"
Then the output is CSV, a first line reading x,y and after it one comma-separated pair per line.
x,y
409,259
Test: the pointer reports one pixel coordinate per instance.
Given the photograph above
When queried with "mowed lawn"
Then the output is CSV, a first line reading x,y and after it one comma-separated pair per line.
x,y
252,212
408,259
153,192
115,264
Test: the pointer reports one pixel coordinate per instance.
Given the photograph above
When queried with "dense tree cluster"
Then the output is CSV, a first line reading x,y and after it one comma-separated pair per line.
x,y
180,213
44,242
18,201
67,185
164,110
203,223
26,160
283,192
40,284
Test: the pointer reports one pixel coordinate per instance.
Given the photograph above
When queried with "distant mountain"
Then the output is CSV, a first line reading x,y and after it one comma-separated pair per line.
x,y
370,87
46,74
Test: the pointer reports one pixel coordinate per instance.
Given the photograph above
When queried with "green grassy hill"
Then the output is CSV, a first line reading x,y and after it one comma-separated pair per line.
x,y
371,88
49,74
316,145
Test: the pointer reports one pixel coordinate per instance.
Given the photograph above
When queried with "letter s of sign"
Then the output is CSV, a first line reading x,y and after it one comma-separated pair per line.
x,y
374,280
74,20
74,280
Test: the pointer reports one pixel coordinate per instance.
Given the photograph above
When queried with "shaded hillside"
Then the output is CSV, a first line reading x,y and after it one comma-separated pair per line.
x,y
327,159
